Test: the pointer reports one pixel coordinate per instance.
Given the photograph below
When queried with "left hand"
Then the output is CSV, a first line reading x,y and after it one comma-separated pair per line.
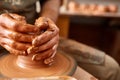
x,y
16,34
45,44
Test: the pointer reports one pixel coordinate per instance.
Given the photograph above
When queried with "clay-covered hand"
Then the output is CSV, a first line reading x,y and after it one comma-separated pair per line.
x,y
45,44
15,34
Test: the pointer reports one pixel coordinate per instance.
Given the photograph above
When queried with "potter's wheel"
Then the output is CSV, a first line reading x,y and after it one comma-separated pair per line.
x,y
63,65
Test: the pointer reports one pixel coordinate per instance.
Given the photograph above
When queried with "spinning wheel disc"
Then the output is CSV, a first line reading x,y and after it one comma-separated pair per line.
x,y
63,65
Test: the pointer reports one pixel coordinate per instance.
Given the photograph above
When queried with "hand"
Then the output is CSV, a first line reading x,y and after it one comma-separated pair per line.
x,y
15,34
45,44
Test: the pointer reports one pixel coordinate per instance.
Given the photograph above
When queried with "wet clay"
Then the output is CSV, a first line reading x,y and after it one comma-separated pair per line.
x,y
21,66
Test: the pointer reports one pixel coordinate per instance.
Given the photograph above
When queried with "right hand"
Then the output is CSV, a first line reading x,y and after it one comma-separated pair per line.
x,y
45,45
15,34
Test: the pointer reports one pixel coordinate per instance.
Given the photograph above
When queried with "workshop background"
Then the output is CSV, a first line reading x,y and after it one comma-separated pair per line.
x,y
92,22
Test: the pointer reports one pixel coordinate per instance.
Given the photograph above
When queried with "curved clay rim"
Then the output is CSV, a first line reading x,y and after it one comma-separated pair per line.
x,y
63,65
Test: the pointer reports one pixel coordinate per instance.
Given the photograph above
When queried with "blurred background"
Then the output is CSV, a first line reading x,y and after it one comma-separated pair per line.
x,y
92,22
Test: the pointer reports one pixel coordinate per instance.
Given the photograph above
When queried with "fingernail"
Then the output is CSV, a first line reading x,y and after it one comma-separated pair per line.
x,y
48,61
29,50
35,42
35,57
22,53
25,53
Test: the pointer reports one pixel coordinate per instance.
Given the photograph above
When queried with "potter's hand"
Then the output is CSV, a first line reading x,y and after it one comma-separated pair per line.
x,y
45,44
15,34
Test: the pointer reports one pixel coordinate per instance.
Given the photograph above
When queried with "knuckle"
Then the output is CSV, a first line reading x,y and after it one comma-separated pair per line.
x,y
2,15
57,29
13,44
14,36
14,25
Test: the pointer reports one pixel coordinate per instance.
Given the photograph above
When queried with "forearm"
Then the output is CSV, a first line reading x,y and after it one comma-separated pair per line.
x,y
50,9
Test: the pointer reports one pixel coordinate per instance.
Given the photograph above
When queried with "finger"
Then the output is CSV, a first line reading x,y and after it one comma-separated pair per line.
x,y
27,28
41,39
9,22
44,37
55,50
16,36
44,47
50,59
13,51
18,17
46,23
14,44
42,23
21,37
43,55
